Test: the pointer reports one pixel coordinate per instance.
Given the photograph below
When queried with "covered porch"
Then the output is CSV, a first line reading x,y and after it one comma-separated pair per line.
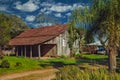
x,y
40,50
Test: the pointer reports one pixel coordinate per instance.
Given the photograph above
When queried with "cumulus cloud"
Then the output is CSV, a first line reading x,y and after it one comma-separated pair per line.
x,y
43,24
46,4
29,6
58,15
68,14
3,8
77,5
60,8
30,18
48,12
43,9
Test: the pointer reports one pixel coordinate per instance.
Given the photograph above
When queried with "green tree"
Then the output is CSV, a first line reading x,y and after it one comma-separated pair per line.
x,y
79,21
18,26
4,32
81,36
106,26
15,24
103,19
10,26
72,37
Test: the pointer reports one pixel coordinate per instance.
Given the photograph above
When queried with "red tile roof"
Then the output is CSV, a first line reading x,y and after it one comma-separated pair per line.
x,y
38,35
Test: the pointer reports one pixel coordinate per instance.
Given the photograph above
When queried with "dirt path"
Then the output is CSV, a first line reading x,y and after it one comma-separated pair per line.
x,y
16,76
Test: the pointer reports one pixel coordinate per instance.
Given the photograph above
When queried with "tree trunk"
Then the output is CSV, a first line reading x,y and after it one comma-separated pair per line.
x,y
71,52
80,46
112,60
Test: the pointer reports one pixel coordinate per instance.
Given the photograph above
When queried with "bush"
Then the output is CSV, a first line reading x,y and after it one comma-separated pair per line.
x,y
74,73
78,55
18,64
68,73
5,64
62,56
1,57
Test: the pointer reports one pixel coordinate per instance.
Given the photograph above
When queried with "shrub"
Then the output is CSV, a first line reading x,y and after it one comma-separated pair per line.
x,y
5,64
18,64
78,55
62,56
68,73
74,73
1,56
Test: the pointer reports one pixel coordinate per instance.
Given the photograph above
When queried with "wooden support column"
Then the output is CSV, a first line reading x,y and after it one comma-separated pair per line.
x,y
21,50
30,51
13,49
25,51
16,52
39,51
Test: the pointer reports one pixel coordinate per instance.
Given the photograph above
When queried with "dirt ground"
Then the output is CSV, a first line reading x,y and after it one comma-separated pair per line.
x,y
46,74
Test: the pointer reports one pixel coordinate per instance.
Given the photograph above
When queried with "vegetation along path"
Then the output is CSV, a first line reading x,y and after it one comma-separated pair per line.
x,y
31,74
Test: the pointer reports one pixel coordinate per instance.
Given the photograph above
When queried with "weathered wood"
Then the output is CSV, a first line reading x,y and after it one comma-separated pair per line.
x,y
39,51
31,51
21,50
13,49
25,51
16,51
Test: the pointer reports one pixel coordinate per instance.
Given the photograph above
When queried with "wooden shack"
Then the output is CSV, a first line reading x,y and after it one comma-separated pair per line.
x,y
42,42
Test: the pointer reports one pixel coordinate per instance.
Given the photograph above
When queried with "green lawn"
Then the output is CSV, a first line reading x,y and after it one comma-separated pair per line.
x,y
34,64
27,64
94,56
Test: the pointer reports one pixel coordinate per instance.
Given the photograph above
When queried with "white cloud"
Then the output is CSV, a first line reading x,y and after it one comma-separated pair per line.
x,y
43,9
48,12
78,5
46,4
60,8
68,14
30,18
43,24
29,6
58,15
3,8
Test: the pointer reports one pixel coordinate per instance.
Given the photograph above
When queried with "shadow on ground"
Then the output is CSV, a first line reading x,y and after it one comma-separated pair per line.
x,y
78,61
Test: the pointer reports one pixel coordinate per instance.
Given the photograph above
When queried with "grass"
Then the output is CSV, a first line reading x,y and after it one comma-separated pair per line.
x,y
57,62
75,73
94,56
27,64
33,64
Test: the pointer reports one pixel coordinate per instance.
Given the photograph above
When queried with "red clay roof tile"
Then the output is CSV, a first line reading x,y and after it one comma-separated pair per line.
x,y
38,35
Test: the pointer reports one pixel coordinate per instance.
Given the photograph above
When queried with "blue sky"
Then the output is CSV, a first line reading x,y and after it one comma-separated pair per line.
x,y
28,9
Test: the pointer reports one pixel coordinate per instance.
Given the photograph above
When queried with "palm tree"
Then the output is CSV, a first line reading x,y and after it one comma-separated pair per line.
x,y
103,19
106,26
78,25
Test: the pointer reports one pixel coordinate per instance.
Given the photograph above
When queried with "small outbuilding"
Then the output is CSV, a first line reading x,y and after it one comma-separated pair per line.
x,y
42,42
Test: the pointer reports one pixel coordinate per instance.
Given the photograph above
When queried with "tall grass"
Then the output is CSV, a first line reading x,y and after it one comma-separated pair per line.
x,y
74,73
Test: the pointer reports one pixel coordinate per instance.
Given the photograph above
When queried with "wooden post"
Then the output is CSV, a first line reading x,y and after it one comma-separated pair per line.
x,y
21,50
39,51
30,51
16,51
13,50
25,51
